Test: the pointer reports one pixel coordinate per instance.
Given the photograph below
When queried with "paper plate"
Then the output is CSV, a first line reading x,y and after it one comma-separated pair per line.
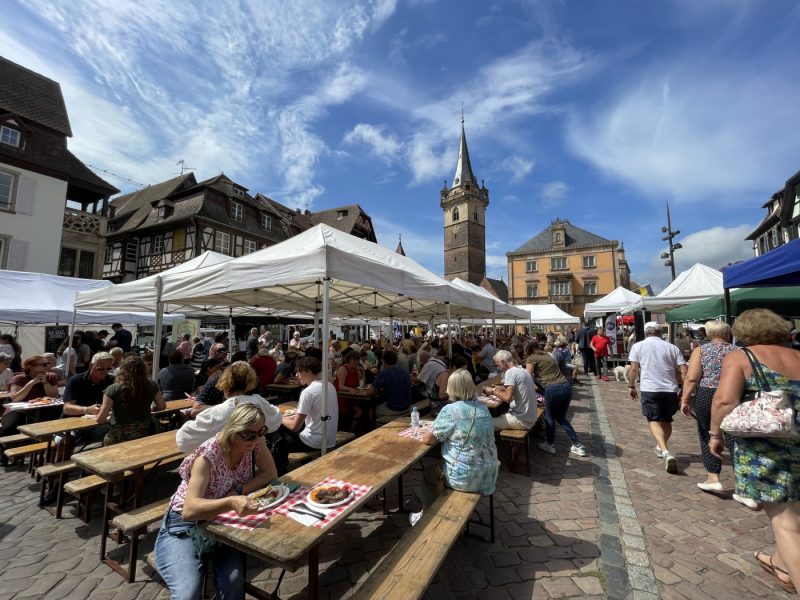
x,y
267,503
310,498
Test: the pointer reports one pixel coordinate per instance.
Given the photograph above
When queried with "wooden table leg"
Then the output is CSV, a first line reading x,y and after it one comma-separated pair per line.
x,y
106,520
313,573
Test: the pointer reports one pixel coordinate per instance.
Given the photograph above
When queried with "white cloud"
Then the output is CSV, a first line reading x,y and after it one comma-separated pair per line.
x,y
715,247
553,193
691,131
377,139
159,82
518,167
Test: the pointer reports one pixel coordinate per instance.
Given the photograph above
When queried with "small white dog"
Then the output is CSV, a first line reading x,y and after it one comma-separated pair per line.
x,y
621,373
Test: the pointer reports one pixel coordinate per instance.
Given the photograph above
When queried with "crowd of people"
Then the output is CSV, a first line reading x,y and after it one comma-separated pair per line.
x,y
238,441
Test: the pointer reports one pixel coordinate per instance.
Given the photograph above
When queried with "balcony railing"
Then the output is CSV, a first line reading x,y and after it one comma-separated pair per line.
x,y
84,222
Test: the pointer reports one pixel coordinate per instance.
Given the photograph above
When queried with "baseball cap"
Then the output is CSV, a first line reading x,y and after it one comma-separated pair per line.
x,y
652,325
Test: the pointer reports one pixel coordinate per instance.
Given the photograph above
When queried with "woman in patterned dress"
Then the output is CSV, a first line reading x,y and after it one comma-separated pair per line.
x,y
466,431
767,470
215,479
705,367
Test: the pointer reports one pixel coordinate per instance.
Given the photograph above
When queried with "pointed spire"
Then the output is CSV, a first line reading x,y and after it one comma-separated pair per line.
x,y
399,249
464,172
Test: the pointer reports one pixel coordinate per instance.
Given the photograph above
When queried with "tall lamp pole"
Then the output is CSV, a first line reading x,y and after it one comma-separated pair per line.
x,y
670,256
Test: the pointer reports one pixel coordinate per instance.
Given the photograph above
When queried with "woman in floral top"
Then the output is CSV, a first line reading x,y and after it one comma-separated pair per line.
x,y
465,429
767,469
705,367
216,478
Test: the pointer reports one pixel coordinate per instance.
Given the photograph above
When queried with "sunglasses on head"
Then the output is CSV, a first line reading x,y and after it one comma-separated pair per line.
x,y
249,436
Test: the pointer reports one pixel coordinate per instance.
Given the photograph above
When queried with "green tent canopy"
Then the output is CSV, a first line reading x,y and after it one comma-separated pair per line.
x,y
783,300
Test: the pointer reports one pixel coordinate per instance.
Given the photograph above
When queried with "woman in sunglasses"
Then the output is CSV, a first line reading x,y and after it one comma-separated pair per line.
x,y
33,383
216,478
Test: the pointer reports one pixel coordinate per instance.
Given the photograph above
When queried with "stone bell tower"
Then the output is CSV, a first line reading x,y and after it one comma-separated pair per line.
x,y
464,206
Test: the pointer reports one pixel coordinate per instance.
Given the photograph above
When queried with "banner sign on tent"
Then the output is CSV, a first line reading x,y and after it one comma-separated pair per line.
x,y
611,332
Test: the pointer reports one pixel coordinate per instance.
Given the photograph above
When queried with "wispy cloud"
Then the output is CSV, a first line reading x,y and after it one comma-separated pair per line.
x,y
229,103
715,247
553,193
517,167
376,138
695,131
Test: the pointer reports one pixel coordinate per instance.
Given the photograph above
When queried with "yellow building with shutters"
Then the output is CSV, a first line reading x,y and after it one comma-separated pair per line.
x,y
566,266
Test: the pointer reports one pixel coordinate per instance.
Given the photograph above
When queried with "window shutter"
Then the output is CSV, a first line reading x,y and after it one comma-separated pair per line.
x,y
26,196
17,255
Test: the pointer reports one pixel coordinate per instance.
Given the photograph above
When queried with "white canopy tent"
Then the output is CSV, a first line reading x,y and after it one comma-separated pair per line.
x,y
40,298
545,314
696,283
611,303
347,276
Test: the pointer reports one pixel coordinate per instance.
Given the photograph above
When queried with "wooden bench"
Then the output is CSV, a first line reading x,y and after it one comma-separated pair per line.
x,y
134,524
46,473
9,441
34,451
82,489
520,438
406,572
300,458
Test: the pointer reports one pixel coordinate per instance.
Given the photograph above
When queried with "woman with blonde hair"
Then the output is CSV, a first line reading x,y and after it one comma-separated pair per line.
x,y
215,478
702,380
127,403
767,470
466,431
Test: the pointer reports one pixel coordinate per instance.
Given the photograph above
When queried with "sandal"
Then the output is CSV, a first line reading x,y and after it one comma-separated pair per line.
x,y
775,572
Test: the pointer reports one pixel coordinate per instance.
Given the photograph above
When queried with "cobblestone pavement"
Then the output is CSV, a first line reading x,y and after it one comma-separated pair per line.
x,y
611,525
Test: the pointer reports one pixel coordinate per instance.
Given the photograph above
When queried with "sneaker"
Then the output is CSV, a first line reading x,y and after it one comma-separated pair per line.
x,y
549,448
670,463
578,450
659,452
710,487
748,502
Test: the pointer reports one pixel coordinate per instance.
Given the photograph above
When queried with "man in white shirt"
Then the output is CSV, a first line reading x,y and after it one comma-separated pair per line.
x,y
518,390
656,361
310,411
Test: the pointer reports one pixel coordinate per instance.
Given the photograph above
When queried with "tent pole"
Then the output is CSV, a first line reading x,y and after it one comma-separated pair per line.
x,y
728,318
69,338
449,340
231,332
157,329
494,327
326,368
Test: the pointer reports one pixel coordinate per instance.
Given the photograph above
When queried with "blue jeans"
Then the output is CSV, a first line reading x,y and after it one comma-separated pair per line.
x,y
557,397
183,571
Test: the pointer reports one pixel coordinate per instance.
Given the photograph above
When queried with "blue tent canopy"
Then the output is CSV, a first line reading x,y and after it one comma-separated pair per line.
x,y
779,267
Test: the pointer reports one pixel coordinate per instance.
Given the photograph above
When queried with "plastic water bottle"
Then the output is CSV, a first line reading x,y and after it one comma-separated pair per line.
x,y
414,417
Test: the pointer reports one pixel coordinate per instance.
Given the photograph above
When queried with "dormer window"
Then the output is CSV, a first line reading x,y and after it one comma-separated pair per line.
x,y
9,136
164,212
558,237
266,222
237,211
238,192
341,215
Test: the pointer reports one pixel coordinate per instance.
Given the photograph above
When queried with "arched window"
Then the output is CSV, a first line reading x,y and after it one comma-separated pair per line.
x,y
558,237
475,216
455,214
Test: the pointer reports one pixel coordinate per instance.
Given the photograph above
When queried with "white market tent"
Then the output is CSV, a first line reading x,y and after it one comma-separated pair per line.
x,y
348,276
546,314
696,283
498,306
611,303
40,298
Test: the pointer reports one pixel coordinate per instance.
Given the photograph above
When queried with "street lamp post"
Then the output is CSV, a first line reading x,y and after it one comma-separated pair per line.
x,y
670,256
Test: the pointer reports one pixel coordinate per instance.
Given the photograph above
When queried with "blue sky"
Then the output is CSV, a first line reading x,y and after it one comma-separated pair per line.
x,y
601,112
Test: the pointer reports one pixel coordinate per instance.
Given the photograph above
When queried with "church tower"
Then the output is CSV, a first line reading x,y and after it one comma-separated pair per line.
x,y
464,206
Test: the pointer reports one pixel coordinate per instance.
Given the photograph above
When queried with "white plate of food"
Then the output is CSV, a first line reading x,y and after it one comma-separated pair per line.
x,y
270,496
329,496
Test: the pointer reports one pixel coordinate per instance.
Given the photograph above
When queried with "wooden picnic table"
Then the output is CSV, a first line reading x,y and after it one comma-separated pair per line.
x,y
174,406
120,461
44,431
375,459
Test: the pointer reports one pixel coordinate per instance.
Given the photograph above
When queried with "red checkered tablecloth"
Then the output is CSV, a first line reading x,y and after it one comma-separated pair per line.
x,y
301,495
250,522
415,432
